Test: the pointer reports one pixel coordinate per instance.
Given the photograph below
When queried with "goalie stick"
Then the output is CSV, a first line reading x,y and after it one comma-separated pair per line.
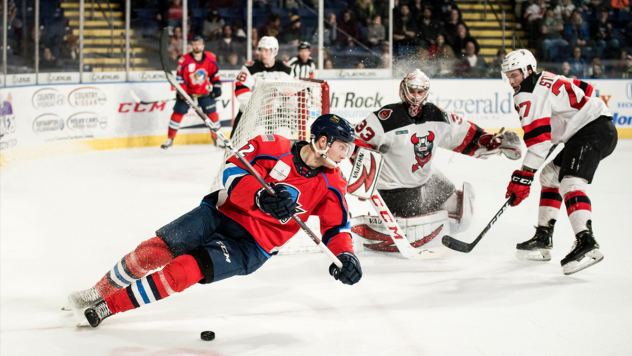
x,y
365,171
138,100
457,245
164,59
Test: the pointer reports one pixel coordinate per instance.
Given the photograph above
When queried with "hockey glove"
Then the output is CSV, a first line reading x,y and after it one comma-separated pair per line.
x,y
280,207
507,143
217,90
520,186
351,271
488,144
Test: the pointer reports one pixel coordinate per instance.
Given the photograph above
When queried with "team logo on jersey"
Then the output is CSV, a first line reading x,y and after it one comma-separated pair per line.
x,y
384,114
199,76
423,149
296,194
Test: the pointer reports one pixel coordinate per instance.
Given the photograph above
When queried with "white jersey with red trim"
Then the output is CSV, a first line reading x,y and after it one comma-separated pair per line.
x,y
552,109
408,143
246,79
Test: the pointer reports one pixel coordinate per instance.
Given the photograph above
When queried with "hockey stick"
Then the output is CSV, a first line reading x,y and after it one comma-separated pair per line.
x,y
457,245
138,100
359,177
164,59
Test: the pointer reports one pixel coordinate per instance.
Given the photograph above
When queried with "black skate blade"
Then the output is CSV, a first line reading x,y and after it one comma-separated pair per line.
x,y
540,255
456,245
591,258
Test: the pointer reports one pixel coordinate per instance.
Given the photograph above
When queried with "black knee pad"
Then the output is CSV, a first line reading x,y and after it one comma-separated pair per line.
x,y
205,263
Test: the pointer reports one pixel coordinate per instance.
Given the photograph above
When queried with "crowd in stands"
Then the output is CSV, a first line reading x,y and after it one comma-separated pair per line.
x,y
430,33
57,45
583,38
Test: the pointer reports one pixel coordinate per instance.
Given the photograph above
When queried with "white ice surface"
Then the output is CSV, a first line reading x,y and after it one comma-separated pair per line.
x,y
66,220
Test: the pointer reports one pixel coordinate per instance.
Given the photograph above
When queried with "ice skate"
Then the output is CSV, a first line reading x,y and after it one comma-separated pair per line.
x,y
96,314
585,252
168,143
82,299
538,248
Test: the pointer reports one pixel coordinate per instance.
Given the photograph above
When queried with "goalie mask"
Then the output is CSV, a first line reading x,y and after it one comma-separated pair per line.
x,y
413,91
335,128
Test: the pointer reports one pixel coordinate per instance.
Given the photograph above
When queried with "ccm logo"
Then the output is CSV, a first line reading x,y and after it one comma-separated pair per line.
x,y
522,181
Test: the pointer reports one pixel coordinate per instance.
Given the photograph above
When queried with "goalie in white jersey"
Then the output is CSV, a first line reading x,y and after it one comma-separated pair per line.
x,y
425,202
554,109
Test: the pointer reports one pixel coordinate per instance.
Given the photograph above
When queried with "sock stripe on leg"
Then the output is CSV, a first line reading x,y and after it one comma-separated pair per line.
x,y
126,280
575,201
132,298
153,287
126,268
551,197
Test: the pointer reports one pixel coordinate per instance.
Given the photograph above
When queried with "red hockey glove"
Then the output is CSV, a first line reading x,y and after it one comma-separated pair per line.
x,y
520,186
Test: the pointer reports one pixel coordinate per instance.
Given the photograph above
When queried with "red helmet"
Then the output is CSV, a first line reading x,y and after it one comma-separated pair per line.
x,y
417,80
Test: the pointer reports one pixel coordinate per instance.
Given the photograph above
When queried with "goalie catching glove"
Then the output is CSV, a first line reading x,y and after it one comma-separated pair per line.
x,y
350,273
281,207
507,143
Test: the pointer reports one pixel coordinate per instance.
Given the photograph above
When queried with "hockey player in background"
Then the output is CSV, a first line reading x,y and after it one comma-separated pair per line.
x,y
198,75
408,133
554,109
303,65
265,67
235,230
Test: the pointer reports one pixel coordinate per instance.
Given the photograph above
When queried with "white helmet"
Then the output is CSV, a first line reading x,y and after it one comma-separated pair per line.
x,y
418,80
519,59
269,42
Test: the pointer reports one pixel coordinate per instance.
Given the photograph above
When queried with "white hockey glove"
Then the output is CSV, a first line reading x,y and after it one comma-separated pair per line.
x,y
492,144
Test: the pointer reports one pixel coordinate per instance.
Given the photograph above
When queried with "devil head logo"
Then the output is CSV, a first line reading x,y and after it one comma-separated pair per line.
x,y
423,149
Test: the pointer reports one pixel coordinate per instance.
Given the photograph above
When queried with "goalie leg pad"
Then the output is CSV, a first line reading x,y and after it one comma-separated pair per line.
x,y
421,231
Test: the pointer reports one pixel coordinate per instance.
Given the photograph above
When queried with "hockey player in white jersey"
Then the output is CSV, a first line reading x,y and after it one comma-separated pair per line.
x,y
425,202
554,109
266,67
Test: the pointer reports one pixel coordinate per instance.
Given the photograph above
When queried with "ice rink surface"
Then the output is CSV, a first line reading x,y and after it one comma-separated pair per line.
x,y
66,220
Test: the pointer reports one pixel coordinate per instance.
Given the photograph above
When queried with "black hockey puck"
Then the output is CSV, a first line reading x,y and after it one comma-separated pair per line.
x,y
207,335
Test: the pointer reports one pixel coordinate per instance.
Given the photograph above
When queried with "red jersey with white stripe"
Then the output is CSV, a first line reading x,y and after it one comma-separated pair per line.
x,y
317,192
197,78
552,109
408,143
247,78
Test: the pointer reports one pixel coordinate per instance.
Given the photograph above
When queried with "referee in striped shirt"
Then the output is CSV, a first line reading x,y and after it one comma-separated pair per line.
x,y
303,65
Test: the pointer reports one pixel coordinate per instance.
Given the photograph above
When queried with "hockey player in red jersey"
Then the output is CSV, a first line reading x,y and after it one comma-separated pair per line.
x,y
266,67
236,229
425,202
198,75
554,109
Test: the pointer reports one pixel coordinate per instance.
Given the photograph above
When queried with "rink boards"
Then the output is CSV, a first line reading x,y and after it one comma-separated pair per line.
x,y
49,119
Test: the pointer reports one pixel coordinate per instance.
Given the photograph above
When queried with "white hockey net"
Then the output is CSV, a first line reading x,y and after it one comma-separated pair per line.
x,y
285,108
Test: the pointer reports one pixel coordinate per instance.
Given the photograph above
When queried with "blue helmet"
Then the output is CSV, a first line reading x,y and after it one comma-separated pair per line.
x,y
334,127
